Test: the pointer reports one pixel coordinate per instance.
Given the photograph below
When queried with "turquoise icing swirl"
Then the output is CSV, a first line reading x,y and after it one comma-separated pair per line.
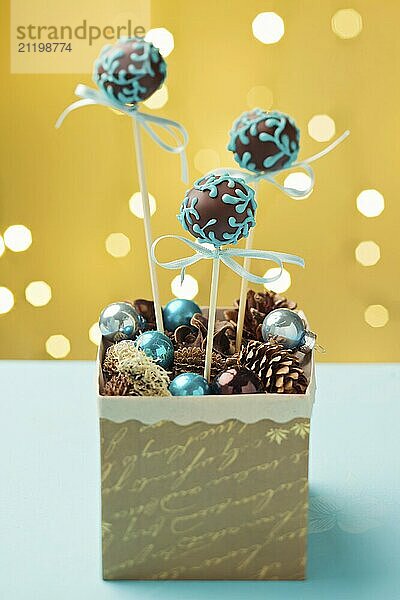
x,y
245,128
242,200
130,79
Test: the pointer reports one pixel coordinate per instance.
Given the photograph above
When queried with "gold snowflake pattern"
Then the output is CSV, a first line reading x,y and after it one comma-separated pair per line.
x,y
107,535
106,528
277,435
301,429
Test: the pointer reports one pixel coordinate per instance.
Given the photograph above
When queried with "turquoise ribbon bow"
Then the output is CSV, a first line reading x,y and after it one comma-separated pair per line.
x,y
270,176
292,192
226,255
91,96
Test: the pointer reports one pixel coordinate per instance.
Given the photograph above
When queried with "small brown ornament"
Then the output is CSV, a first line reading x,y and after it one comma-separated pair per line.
x,y
279,369
237,380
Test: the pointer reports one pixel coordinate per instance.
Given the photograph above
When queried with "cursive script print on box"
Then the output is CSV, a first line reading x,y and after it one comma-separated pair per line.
x,y
204,501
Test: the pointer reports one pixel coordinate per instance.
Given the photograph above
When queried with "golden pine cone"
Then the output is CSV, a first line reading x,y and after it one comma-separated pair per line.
x,y
188,359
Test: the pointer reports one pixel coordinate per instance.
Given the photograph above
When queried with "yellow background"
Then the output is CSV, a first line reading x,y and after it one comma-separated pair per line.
x,y
71,187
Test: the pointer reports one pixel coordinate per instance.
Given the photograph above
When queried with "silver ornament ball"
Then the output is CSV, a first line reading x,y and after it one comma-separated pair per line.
x,y
120,321
288,329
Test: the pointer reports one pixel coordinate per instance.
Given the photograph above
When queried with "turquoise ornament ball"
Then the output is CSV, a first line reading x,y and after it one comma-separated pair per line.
x,y
189,384
288,329
179,312
158,347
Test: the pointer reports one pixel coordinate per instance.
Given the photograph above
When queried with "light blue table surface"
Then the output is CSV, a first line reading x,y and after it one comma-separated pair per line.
x,y
49,494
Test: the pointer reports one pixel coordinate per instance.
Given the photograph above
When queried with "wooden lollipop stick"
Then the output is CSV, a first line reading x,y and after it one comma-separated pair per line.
x,y
243,288
147,225
243,293
211,318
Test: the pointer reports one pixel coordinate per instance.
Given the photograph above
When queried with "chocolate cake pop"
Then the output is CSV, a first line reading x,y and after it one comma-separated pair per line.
x,y
264,141
218,210
129,71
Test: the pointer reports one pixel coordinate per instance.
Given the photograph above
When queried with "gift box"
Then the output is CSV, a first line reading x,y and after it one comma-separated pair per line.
x,y
207,487
204,486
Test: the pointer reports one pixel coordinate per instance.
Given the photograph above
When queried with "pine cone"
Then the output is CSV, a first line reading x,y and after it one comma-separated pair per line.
x,y
191,360
118,385
172,339
278,368
258,305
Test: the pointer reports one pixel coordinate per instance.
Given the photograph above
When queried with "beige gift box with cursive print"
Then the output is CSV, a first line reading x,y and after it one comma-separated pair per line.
x,y
212,487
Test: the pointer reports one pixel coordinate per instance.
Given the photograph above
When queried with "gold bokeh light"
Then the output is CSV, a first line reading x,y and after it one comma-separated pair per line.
x,y
136,206
206,160
321,128
38,293
17,238
368,253
188,289
268,27
6,300
299,181
376,315
280,285
118,245
162,38
158,99
370,203
95,334
58,346
347,23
